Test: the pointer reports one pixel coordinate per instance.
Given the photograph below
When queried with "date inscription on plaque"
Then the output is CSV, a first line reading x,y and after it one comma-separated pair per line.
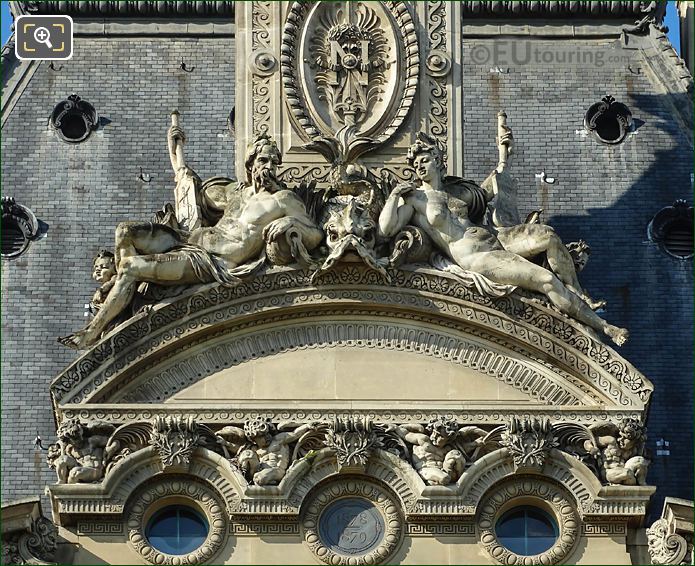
x,y
351,526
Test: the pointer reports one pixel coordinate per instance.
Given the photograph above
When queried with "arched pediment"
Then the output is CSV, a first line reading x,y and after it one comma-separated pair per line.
x,y
214,335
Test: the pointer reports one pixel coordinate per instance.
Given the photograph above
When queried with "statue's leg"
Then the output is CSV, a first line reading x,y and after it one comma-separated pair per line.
x,y
269,476
168,268
143,238
435,476
454,464
531,240
511,269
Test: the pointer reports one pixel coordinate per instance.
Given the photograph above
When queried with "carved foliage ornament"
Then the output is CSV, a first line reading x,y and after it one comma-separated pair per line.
x,y
38,546
357,70
545,495
529,441
175,439
666,547
353,441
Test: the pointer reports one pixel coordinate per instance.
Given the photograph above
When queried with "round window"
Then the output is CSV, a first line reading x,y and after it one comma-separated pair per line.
x,y
177,530
351,526
74,119
526,531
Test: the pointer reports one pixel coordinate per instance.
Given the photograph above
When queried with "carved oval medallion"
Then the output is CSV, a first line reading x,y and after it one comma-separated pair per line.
x,y
349,66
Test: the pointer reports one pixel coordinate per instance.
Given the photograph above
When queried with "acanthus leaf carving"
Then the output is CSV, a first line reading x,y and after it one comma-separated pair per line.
x,y
529,441
667,547
353,441
175,438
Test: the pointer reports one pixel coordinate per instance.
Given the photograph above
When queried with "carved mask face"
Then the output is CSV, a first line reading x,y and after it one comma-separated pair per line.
x,y
264,170
580,261
104,269
426,167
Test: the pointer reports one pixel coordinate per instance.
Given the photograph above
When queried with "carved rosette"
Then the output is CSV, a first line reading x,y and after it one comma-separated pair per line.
x,y
356,490
666,547
156,495
530,490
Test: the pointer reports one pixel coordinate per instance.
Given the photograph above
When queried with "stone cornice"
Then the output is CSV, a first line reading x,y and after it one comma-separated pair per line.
x,y
134,8
603,9
557,8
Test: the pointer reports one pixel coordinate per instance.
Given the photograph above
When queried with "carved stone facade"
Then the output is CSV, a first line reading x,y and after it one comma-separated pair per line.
x,y
350,354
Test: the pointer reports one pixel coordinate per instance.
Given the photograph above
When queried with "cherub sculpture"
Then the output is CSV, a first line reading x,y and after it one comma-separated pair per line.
x,y
80,454
472,247
261,452
104,273
620,451
254,214
616,449
441,448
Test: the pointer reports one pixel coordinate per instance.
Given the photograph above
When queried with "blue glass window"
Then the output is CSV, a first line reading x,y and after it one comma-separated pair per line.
x,y
176,530
526,531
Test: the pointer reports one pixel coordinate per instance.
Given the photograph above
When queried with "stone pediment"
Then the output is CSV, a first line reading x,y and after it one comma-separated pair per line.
x,y
198,347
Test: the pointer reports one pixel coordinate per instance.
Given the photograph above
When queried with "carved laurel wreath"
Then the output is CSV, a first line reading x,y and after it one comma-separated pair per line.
x,y
207,501
378,496
562,508
289,63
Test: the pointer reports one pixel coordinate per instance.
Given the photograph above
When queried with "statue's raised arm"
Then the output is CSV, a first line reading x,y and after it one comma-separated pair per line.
x,y
187,191
226,252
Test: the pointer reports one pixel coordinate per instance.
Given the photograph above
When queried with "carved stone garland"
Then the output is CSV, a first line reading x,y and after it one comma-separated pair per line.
x,y
200,496
378,496
548,495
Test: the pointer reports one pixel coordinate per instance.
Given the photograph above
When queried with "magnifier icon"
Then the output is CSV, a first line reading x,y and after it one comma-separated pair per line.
x,y
42,35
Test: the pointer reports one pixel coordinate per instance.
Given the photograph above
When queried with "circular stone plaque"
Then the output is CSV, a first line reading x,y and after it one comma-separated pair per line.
x,y
352,522
351,526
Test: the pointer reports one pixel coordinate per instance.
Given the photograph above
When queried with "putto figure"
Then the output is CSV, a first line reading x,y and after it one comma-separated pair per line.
x,y
472,247
81,450
259,212
439,450
620,452
104,273
262,453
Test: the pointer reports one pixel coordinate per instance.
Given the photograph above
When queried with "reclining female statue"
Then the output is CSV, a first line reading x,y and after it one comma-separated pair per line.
x,y
473,247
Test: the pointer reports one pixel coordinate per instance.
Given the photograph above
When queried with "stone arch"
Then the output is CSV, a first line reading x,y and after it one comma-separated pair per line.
x,y
499,465
525,342
126,477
